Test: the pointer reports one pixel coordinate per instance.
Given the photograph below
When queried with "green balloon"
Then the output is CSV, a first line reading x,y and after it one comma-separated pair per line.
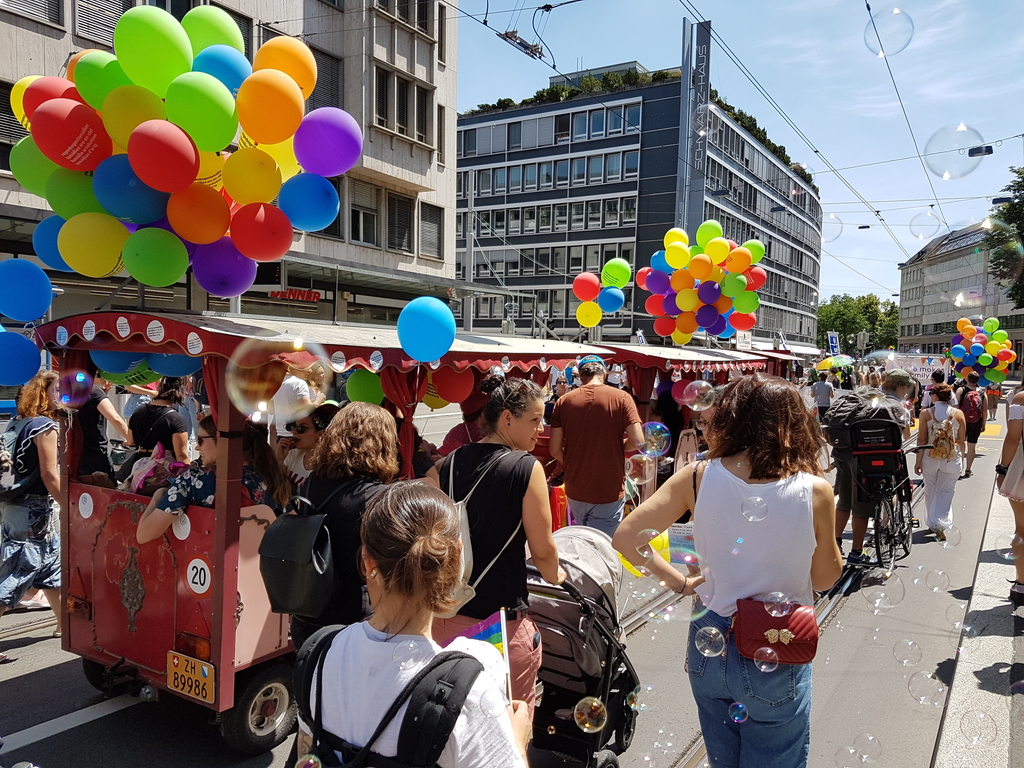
x,y
96,75
996,377
70,193
152,47
733,285
756,248
746,302
616,273
991,325
138,376
985,360
707,231
695,249
1000,336
31,167
208,25
204,108
364,387
155,257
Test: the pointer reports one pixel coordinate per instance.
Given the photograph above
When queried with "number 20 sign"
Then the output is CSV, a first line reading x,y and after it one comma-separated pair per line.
x,y
198,576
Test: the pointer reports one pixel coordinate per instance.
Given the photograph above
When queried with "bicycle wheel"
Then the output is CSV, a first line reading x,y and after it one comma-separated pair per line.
x,y
885,533
903,525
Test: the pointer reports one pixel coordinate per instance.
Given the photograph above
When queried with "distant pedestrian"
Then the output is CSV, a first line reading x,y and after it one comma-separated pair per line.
x,y
823,394
972,403
943,427
1010,482
938,377
992,394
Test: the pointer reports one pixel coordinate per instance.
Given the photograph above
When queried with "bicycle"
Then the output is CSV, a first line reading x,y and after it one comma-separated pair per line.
x,y
883,480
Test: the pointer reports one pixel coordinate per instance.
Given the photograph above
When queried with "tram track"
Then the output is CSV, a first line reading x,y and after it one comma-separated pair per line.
x,y
24,627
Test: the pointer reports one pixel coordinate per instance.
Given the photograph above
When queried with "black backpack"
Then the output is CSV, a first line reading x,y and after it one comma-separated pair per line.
x,y
857,406
435,695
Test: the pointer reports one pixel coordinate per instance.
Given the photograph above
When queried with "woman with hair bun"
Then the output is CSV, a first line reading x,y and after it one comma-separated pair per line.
x,y
508,509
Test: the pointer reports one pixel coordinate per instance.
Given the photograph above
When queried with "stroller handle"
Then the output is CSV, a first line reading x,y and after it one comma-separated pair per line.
x,y
574,593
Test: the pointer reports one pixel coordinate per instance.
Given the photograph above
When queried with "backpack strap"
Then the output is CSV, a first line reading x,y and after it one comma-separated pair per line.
x,y
309,658
487,469
500,552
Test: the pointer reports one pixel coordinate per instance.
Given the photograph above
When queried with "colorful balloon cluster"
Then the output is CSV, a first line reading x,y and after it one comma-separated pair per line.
x,y
710,285
985,351
601,294
129,150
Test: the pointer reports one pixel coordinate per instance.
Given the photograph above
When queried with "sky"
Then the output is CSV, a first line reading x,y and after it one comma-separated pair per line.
x,y
961,65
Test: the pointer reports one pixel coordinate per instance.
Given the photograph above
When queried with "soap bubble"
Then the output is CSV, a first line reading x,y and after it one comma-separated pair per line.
x,y
657,439
408,654
649,761
925,226
891,27
907,652
699,395
590,714
738,712
955,614
710,641
74,387
927,688
880,587
953,537
306,761
259,365
777,604
831,228
947,152
551,730
754,509
847,757
937,581
1004,546
644,545
868,747
881,606
632,699
979,728
492,703
641,469
766,659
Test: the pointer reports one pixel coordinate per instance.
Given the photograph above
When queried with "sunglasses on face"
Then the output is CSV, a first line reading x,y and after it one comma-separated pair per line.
x,y
201,438
298,428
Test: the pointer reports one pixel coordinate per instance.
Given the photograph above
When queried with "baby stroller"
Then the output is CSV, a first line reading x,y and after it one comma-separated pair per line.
x,y
584,652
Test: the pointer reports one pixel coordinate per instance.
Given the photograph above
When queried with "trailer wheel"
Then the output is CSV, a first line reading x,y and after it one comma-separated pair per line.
x,y
624,731
94,673
264,713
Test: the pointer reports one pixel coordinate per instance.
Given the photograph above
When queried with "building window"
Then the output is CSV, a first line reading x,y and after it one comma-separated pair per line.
x,y
512,267
594,257
632,118
513,221
561,217
431,230
402,8
94,19
402,106
558,304
594,214
629,210
515,178
597,169
382,105
499,222
543,261
562,128
440,135
613,166
327,92
515,136
562,173
577,216
526,260
632,165
11,131
544,218
597,123
423,15
469,142
529,177
579,171
460,225
547,178
611,213
399,223
364,199
529,220
579,126
614,121
558,260
459,184
422,105
483,182
459,143
483,223
442,32
575,259
499,180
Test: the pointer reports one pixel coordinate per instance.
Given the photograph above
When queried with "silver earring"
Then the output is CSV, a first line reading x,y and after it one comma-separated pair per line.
x,y
373,574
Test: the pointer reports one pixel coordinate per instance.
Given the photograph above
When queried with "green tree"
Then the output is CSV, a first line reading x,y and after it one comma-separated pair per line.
x,y
1004,240
612,81
631,77
849,315
589,84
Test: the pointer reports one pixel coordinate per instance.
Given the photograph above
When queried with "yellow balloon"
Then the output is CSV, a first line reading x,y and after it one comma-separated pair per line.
x,y
677,255
91,244
717,249
659,544
687,300
284,155
993,347
717,273
681,338
211,169
252,176
126,108
245,141
116,150
588,314
17,94
431,398
676,235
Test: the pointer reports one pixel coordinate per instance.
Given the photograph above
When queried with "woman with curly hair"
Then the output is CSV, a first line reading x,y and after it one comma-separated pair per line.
x,y
357,455
30,549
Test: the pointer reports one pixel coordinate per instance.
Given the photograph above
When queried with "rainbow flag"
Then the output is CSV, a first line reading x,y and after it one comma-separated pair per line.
x,y
489,630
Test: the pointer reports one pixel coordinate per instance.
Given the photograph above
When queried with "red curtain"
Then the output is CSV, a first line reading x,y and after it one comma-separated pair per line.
x,y
214,367
641,381
405,390
74,360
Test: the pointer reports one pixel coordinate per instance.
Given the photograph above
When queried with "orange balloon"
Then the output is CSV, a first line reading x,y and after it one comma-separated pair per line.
x,y
681,280
687,322
199,214
288,55
73,62
738,260
723,305
700,266
968,331
966,370
962,323
270,106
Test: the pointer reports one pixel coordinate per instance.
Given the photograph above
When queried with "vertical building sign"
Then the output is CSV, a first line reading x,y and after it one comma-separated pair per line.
x,y
699,127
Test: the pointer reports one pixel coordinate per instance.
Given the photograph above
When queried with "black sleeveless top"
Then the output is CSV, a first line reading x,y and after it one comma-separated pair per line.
x,y
494,510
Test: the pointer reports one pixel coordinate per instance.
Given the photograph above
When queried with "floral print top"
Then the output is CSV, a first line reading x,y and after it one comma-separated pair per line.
x,y
197,487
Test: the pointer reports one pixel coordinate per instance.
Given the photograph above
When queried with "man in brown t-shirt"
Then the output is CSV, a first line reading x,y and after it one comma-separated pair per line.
x,y
587,428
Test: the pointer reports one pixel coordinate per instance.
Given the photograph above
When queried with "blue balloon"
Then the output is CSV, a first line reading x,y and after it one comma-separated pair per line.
x,y
611,299
173,365
25,290
122,193
426,329
977,350
21,359
970,359
224,63
957,351
729,331
114,361
983,382
659,263
44,243
310,201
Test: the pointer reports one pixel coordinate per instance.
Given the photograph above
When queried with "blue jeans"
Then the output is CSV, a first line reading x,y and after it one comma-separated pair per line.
x,y
604,517
777,730
30,549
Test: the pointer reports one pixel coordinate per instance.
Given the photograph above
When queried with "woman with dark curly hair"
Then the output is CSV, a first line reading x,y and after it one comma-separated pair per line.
x,y
158,422
356,456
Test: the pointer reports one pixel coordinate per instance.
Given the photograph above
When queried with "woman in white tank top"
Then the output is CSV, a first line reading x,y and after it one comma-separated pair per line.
x,y
764,522
945,427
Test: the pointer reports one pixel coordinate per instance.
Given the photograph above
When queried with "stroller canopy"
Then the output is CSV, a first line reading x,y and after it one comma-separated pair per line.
x,y
590,550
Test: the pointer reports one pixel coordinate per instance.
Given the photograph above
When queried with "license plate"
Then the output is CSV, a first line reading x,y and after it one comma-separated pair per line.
x,y
190,677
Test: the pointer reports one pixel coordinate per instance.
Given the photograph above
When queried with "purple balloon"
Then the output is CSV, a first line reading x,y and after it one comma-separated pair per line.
x,y
718,326
669,304
707,316
663,387
709,292
658,282
958,367
221,270
329,141
958,339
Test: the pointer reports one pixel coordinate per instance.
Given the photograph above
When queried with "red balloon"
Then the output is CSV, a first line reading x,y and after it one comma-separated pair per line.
x,y
743,322
732,245
664,326
453,386
756,278
653,305
71,134
46,88
261,231
163,156
586,286
641,277
233,207
1004,355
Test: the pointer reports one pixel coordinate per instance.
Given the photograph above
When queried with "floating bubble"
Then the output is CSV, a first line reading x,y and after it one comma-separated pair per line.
x,y
408,654
881,605
657,439
710,641
927,688
979,728
643,544
777,604
632,699
1004,546
641,469
306,761
889,32
847,757
258,366
649,761
766,659
947,153
925,226
867,747
754,509
74,387
738,712
699,395
492,703
882,587
955,614
907,652
953,537
831,228
590,714
937,581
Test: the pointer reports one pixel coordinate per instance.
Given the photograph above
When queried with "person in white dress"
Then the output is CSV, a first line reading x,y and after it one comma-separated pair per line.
x,y
1010,482
945,428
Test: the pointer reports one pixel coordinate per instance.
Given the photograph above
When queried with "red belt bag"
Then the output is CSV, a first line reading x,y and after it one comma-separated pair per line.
x,y
793,637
